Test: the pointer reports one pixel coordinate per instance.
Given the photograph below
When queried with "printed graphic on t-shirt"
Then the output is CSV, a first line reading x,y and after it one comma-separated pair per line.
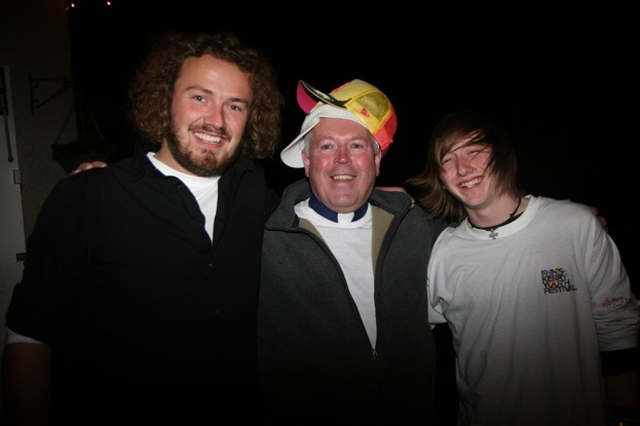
x,y
617,302
556,281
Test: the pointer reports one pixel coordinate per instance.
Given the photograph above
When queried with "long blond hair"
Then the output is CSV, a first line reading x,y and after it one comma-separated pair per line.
x,y
431,192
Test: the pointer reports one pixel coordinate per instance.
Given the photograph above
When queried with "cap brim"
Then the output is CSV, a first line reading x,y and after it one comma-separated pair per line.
x,y
292,154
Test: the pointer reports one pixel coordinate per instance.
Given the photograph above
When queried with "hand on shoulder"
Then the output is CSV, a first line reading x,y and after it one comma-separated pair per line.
x,y
87,165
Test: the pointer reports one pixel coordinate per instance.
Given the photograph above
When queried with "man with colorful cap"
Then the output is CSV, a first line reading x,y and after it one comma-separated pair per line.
x,y
342,319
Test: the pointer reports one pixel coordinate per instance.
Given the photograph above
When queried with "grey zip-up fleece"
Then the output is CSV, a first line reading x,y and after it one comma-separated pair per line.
x,y
316,361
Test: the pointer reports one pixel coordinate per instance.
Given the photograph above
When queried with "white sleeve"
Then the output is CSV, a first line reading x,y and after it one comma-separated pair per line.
x,y
434,313
434,309
13,337
616,309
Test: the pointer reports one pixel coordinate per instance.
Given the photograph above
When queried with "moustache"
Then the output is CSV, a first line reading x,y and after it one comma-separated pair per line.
x,y
221,132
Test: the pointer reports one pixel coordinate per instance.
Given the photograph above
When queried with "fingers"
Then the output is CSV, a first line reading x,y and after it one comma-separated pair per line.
x,y
603,222
86,165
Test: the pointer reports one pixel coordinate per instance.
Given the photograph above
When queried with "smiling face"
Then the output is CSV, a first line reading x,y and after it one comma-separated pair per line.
x,y
210,108
465,173
342,164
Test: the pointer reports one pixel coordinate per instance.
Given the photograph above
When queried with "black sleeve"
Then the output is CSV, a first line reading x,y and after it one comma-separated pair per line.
x,y
618,362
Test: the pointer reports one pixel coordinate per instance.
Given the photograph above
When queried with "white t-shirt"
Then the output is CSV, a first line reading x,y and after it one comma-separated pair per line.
x,y
530,312
205,189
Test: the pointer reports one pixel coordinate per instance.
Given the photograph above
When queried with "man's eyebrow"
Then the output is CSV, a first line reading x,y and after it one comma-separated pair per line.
x,y
242,100
198,88
210,92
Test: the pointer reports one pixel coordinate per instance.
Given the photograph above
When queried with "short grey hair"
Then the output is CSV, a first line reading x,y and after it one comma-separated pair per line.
x,y
306,140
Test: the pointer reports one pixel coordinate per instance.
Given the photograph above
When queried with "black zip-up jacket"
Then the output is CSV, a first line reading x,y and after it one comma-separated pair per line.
x,y
316,361
146,317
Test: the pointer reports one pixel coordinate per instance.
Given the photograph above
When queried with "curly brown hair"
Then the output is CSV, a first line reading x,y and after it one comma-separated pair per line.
x,y
151,91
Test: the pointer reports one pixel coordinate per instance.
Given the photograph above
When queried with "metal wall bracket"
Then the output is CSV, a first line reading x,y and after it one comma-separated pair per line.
x,y
34,85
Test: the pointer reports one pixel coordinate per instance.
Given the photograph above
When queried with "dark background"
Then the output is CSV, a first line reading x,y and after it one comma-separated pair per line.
x,y
562,79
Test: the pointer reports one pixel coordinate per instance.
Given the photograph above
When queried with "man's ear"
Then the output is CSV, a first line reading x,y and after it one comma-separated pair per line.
x,y
305,161
377,159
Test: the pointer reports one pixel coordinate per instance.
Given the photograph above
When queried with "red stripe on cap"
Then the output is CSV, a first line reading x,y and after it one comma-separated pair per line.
x,y
306,100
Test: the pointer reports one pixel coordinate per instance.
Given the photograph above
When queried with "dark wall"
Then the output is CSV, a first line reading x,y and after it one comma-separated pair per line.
x,y
562,79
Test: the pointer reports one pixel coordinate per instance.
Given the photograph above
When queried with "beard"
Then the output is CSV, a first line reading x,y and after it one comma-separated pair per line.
x,y
207,164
